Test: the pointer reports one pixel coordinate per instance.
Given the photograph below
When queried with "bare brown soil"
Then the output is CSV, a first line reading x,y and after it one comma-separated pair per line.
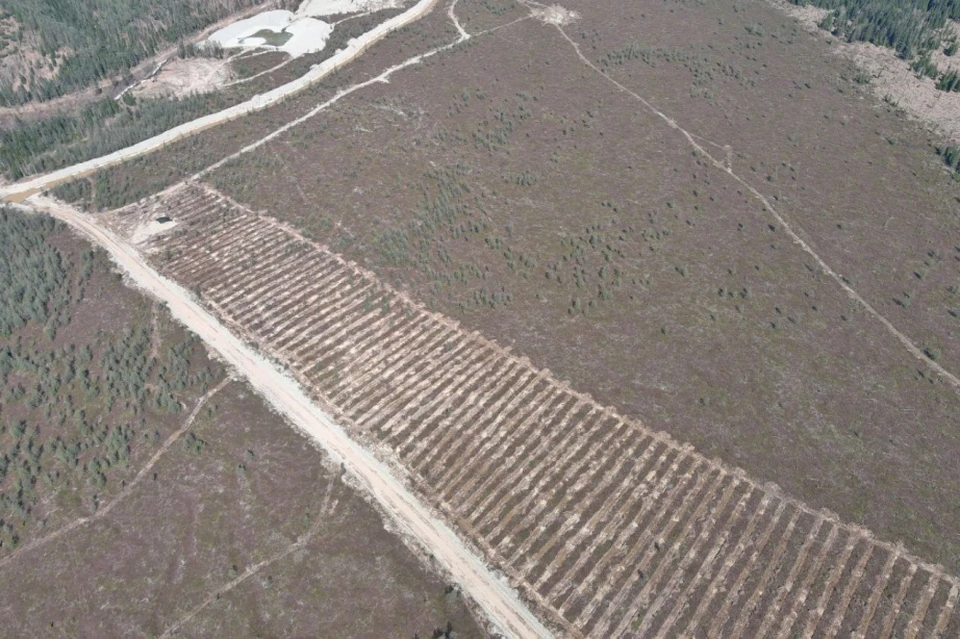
x,y
182,77
511,186
523,194
609,529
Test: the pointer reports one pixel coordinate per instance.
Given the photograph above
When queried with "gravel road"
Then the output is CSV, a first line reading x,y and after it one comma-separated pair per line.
x,y
500,602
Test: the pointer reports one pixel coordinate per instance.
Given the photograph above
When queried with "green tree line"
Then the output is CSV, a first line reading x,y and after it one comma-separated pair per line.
x,y
99,128
88,41
911,27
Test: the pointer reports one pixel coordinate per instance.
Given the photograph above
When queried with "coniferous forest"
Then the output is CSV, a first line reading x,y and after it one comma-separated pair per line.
x,y
49,48
911,27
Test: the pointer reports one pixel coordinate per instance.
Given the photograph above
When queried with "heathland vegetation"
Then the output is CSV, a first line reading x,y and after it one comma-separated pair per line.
x,y
76,400
124,450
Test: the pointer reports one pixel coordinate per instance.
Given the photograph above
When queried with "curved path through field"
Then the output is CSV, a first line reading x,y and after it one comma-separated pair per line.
x,y
500,602
21,190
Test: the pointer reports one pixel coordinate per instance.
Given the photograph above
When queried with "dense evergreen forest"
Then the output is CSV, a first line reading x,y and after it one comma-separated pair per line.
x,y
53,47
912,27
78,403
98,129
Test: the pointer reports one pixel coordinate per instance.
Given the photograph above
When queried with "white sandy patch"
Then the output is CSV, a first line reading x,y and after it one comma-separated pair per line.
x,y
808,15
144,232
180,77
308,34
555,15
233,35
893,79
321,8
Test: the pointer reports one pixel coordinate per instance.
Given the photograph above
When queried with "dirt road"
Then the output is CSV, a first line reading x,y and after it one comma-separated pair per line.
x,y
356,47
501,603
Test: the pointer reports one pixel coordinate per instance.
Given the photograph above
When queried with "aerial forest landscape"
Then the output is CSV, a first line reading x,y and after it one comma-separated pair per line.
x,y
480,318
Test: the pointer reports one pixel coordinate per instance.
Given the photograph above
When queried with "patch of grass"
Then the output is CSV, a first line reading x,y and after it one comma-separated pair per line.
x,y
273,38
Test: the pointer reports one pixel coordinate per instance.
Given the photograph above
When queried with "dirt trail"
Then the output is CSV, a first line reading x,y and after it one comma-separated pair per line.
x,y
383,77
724,165
355,48
500,602
103,512
327,509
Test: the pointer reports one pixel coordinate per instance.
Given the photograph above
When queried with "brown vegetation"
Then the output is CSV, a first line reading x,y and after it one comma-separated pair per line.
x,y
608,528
213,510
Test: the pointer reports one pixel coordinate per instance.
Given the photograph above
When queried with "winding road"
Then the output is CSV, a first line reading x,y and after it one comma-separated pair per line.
x,y
21,190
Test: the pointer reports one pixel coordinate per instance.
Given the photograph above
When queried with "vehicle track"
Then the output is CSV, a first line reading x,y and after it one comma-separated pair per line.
x,y
20,190
495,597
724,165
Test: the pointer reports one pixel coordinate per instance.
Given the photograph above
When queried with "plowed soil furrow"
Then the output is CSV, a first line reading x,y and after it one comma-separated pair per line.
x,y
495,486
251,305
454,376
946,613
352,307
632,548
915,605
349,349
326,322
365,380
409,386
401,435
202,233
451,436
209,246
222,279
363,354
490,511
815,615
483,465
230,250
489,434
402,367
281,285
573,586
772,614
657,563
853,602
835,610
702,553
300,320
552,486
797,605
591,535
722,554
576,491
611,528
436,446
876,592
772,541
338,331
519,382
